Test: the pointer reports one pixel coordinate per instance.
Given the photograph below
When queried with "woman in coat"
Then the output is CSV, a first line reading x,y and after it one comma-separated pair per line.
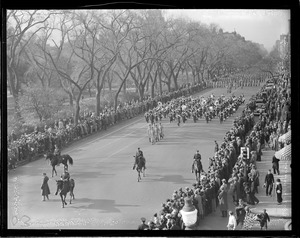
x,y
45,187
278,191
223,201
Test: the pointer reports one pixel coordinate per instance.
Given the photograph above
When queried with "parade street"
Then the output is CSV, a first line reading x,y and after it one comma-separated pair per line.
x,y
107,193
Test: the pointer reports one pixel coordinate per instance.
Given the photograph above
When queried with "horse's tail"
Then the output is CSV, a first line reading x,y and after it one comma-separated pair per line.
x,y
69,158
72,183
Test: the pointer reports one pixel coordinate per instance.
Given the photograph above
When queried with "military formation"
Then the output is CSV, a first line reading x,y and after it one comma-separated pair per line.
x,y
233,81
196,108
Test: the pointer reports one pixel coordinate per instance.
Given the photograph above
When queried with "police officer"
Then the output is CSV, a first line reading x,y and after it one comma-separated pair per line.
x,y
197,155
139,153
56,151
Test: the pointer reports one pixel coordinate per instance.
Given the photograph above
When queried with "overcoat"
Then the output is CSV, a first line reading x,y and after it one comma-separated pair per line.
x,y
223,201
45,187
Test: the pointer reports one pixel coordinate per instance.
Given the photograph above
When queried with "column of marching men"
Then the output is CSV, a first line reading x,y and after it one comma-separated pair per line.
x,y
239,80
184,108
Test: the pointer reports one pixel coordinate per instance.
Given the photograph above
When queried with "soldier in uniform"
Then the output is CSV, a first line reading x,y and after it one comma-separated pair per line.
x,y
197,155
56,151
139,153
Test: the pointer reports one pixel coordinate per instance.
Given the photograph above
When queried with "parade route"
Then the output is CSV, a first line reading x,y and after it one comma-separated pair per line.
x,y
107,194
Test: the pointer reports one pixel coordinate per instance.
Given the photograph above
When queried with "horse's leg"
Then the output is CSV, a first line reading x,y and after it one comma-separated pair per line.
x,y
70,197
65,196
62,200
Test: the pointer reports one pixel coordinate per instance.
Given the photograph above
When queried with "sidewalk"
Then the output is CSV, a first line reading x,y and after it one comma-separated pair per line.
x,y
270,203
280,215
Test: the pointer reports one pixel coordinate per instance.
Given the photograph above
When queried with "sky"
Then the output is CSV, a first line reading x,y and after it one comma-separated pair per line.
x,y
260,26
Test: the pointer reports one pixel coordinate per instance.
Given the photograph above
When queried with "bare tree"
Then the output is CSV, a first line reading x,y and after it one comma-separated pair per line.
x,y
22,25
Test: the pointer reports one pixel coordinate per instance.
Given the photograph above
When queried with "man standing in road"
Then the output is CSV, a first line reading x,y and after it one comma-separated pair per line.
x,y
269,181
45,187
143,226
275,165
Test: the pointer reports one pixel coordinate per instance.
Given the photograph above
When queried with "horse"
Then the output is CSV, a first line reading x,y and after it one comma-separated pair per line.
x,y
57,160
140,165
197,167
65,186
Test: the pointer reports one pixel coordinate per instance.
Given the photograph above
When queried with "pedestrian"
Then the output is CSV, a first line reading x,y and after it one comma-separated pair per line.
x,y
278,191
216,146
264,219
231,221
223,201
143,226
45,187
255,174
275,165
269,181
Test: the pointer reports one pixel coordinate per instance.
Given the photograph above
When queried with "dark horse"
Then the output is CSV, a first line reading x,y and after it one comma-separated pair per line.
x,y
197,167
140,165
64,187
59,159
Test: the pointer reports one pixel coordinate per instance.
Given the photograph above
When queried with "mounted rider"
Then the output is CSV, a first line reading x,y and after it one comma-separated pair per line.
x,y
56,151
65,176
197,156
139,153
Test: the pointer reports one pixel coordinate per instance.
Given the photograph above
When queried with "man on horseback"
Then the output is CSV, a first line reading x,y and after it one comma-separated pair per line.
x,y
197,165
56,151
197,155
139,153
65,176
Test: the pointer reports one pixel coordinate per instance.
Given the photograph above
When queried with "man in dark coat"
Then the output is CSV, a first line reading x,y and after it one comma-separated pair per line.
x,y
143,226
275,165
45,187
269,181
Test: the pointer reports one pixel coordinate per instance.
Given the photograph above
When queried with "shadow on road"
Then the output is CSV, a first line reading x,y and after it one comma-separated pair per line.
x,y
176,179
105,205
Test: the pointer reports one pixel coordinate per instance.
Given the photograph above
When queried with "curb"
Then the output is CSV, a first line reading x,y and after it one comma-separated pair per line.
x,y
288,226
272,216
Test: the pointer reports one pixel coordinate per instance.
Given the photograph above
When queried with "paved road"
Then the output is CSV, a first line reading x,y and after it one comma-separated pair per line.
x,y
107,193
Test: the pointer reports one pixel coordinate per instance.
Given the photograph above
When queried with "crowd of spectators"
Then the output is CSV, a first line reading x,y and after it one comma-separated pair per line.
x,y
229,173
64,131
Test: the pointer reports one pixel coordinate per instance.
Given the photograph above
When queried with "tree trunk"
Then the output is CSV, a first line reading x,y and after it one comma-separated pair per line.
x,y
90,93
109,85
98,99
169,86
152,90
160,83
77,109
187,75
124,87
71,100
141,92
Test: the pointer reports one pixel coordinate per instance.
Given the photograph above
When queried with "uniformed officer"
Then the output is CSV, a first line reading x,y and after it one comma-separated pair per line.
x,y
197,155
